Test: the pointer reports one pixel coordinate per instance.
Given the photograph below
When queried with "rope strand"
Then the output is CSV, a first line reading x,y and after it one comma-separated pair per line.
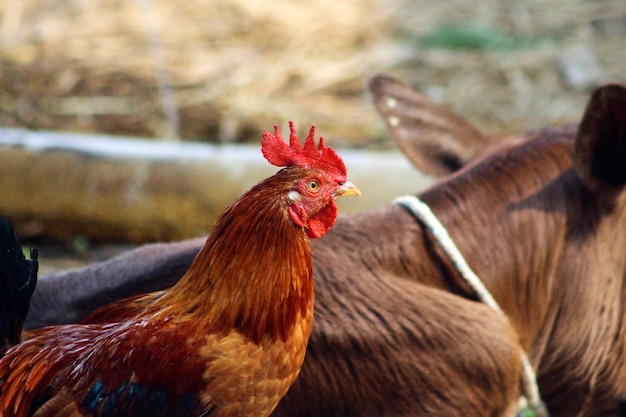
x,y
424,214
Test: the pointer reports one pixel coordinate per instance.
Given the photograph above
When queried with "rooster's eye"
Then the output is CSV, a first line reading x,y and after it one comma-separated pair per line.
x,y
313,186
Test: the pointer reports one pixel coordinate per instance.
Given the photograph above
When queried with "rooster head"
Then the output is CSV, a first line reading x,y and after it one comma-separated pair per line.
x,y
311,199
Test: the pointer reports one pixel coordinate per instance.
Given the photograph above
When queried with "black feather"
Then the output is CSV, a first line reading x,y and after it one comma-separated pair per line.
x,y
18,277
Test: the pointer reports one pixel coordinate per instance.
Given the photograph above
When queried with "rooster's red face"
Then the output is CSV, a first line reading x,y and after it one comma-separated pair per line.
x,y
311,198
312,202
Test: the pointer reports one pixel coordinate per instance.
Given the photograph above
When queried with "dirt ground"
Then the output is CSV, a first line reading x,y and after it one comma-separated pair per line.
x,y
56,256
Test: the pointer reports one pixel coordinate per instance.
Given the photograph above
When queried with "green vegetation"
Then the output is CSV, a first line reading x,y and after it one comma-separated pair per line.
x,y
474,37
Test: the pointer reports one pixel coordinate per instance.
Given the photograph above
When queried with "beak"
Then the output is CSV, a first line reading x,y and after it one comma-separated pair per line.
x,y
347,190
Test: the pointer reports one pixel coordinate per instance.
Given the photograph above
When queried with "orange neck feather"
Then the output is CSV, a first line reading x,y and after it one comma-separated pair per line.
x,y
254,272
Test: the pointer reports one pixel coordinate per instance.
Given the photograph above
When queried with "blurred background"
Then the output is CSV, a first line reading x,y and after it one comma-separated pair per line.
x,y
224,71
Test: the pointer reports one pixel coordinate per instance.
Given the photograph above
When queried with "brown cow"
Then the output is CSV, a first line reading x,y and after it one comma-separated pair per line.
x,y
541,223
575,316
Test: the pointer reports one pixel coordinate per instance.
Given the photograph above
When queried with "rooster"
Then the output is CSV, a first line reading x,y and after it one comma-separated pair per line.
x,y
227,340
18,277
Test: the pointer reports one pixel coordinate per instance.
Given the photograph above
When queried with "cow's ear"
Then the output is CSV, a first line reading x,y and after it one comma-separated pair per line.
x,y
434,138
600,151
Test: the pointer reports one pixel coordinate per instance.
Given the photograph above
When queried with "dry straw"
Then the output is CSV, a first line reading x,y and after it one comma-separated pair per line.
x,y
228,69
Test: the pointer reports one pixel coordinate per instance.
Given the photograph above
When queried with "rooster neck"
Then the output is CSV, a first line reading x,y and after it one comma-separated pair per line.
x,y
254,273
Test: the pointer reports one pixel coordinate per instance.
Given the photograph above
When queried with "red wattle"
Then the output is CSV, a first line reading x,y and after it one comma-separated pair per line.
x,y
318,224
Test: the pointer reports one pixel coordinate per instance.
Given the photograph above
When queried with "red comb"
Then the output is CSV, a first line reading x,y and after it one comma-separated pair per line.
x,y
278,153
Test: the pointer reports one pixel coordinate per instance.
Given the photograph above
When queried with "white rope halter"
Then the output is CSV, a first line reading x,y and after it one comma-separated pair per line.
x,y
424,214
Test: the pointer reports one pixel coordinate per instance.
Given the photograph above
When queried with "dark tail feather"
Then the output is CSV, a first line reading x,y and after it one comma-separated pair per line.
x,y
18,277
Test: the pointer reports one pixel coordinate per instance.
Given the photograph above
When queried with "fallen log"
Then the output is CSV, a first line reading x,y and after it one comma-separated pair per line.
x,y
103,188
